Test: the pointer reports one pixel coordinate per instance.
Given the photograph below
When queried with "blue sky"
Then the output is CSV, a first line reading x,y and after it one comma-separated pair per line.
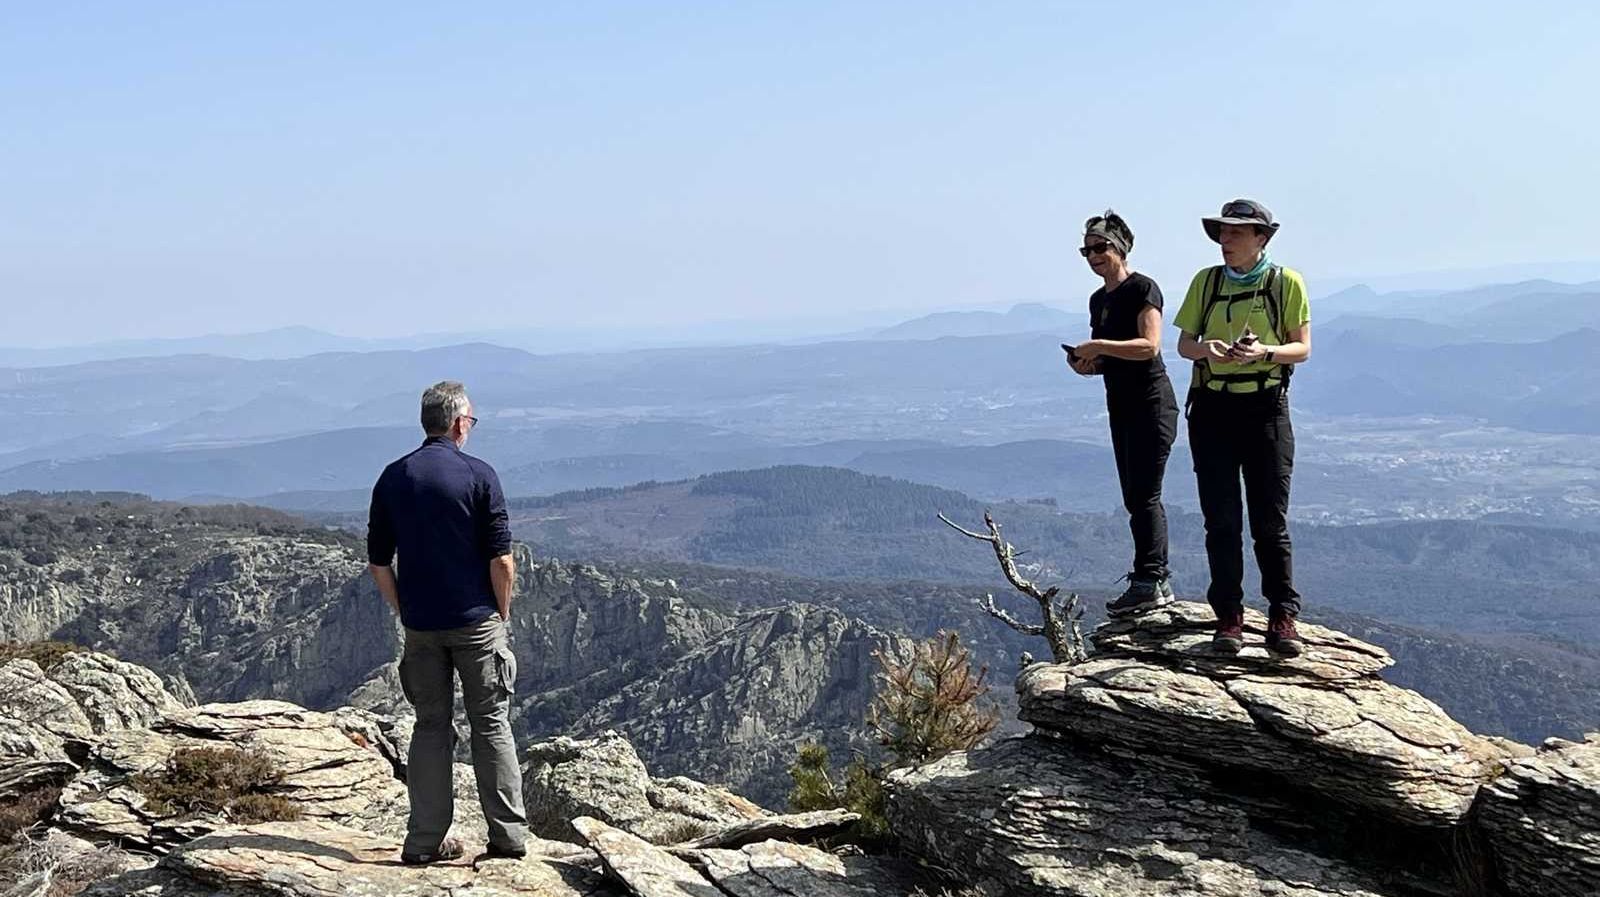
x,y
389,168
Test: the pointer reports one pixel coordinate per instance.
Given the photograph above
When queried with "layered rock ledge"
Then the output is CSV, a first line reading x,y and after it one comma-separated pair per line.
x,y
1159,768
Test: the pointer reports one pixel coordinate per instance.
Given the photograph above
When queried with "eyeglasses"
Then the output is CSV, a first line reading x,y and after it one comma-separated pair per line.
x,y
471,418
1240,210
1096,249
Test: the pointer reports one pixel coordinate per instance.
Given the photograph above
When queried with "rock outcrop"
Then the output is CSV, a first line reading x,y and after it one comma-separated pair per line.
x,y
48,717
1029,817
341,771
1157,768
1323,721
1542,821
565,778
327,772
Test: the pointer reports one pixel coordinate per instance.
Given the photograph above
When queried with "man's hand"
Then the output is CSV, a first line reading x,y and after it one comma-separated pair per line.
x,y
383,575
503,577
1218,350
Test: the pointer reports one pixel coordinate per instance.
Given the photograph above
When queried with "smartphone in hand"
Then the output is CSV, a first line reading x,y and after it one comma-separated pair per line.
x,y
1072,352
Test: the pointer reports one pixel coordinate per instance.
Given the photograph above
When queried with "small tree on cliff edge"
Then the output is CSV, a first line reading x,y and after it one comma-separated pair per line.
x,y
928,706
925,707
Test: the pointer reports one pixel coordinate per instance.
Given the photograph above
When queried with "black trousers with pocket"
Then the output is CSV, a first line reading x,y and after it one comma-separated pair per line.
x,y
1246,436
1144,423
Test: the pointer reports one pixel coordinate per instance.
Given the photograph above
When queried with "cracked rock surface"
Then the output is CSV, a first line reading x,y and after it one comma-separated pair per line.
x,y
763,869
1324,721
1543,819
320,859
1028,817
48,716
326,772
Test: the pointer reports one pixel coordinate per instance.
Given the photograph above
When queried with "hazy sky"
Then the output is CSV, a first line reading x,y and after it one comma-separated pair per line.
x,y
169,169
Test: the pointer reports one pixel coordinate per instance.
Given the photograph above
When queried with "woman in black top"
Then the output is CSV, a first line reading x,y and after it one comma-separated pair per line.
x,y
1125,317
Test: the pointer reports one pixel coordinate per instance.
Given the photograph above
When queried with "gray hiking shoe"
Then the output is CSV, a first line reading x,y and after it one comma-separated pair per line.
x,y
1141,595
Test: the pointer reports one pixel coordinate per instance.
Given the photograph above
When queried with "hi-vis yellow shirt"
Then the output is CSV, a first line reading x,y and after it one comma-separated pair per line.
x,y
1230,317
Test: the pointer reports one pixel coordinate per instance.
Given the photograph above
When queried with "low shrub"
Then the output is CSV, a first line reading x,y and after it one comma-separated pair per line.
x,y
30,808
44,653
216,780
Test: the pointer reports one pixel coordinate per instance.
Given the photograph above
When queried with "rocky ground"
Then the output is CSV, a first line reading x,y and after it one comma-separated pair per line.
x,y
603,825
1154,769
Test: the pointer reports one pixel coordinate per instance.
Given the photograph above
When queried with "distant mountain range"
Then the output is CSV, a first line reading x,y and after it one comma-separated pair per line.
x,y
1025,318
1530,311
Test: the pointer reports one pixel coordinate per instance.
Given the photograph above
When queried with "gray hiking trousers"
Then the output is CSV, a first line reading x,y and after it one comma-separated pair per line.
x,y
481,655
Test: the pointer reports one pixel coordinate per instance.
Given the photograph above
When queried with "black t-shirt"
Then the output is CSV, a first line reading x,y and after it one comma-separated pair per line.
x,y
1115,316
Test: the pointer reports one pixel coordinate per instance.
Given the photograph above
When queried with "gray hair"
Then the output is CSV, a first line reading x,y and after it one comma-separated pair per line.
x,y
442,403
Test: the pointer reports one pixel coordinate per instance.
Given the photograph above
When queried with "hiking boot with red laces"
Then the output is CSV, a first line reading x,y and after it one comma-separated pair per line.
x,y
1229,637
1282,638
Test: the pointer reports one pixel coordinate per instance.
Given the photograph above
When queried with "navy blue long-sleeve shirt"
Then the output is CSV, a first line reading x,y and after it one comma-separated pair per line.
x,y
443,511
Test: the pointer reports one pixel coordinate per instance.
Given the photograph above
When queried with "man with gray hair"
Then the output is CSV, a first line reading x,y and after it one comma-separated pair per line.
x,y
443,512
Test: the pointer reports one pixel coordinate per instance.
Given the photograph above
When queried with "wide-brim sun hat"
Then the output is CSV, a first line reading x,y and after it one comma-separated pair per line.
x,y
1239,211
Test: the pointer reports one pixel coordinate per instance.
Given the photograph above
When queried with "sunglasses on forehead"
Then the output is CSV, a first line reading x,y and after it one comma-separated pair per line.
x,y
1095,249
1240,210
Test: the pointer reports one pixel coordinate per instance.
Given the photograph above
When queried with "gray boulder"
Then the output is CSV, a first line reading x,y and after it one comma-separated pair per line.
x,y
564,778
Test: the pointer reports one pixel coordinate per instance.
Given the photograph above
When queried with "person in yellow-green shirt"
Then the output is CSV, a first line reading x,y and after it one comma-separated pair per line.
x,y
1245,324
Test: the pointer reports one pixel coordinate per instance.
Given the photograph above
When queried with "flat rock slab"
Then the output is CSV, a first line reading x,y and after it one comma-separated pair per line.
x,y
791,827
327,773
1179,634
646,870
783,869
1542,819
317,859
1032,817
1327,725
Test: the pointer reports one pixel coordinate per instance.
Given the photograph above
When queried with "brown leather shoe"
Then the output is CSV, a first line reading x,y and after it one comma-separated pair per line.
x,y
1229,637
1282,637
449,849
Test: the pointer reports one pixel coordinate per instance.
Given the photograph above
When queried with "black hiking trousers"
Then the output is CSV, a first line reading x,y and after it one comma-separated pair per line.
x,y
1249,435
1144,423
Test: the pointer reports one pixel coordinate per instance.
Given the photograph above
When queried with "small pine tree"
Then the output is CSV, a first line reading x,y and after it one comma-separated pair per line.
x,y
861,792
813,789
864,794
928,706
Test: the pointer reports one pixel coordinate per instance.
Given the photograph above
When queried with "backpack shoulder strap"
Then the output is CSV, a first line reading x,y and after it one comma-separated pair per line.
x,y
1213,296
1274,290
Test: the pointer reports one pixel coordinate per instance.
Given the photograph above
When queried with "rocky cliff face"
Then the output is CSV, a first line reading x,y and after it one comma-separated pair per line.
x,y
232,615
1157,768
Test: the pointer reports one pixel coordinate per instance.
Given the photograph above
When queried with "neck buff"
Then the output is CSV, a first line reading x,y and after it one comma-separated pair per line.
x,y
1253,275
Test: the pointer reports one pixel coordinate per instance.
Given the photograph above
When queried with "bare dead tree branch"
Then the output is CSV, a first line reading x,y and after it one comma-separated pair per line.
x,y
1060,627
1000,614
